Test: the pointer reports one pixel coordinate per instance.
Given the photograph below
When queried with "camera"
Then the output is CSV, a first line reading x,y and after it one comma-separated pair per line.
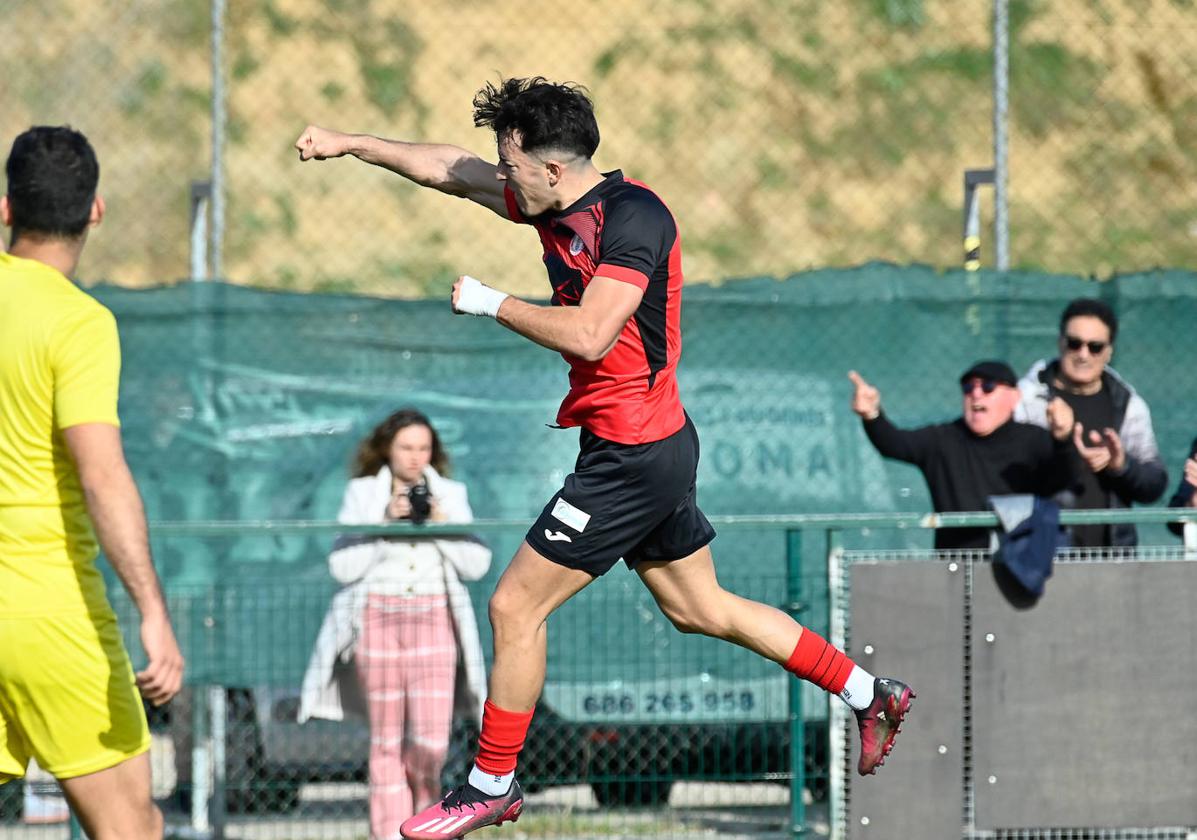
x,y
421,503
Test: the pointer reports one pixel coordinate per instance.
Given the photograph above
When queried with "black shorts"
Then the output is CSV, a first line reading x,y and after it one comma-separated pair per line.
x,y
635,502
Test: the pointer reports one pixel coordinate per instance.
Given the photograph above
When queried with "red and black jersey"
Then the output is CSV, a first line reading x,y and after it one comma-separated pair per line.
x,y
622,230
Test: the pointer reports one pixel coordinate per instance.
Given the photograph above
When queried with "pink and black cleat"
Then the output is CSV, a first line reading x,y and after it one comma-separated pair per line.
x,y
880,723
463,810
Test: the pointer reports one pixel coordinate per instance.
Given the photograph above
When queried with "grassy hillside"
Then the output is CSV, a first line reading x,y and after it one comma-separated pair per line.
x,y
784,135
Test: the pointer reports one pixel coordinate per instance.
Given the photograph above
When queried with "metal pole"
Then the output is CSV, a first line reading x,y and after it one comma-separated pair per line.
x,y
1001,79
201,192
972,217
837,749
219,715
218,126
795,606
201,761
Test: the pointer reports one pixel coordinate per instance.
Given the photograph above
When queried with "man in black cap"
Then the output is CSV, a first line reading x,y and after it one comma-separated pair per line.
x,y
983,453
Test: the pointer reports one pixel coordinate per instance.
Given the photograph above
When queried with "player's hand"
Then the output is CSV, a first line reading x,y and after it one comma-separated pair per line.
x,y
163,675
471,297
456,295
321,143
866,401
1060,418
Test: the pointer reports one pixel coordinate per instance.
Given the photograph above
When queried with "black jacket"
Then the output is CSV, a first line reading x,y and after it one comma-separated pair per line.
x,y
963,470
1184,492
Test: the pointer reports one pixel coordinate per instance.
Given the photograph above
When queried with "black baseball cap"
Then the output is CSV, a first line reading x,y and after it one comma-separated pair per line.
x,y
991,369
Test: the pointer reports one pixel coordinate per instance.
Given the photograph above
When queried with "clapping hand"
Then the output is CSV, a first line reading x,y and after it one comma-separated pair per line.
x,y
1102,451
1060,419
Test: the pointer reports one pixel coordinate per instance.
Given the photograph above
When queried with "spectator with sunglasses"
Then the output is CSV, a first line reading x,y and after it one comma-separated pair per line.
x,y
981,454
1111,424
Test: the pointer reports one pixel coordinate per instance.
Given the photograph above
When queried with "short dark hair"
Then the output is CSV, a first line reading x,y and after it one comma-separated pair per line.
x,y
546,114
1091,307
52,176
375,448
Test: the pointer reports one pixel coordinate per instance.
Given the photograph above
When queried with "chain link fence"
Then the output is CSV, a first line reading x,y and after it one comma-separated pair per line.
x,y
785,135
640,731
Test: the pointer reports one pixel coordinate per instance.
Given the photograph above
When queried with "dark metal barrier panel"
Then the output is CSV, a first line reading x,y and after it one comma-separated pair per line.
x,y
906,622
1081,704
1062,718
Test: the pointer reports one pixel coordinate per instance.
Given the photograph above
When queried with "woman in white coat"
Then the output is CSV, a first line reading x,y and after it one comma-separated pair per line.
x,y
403,617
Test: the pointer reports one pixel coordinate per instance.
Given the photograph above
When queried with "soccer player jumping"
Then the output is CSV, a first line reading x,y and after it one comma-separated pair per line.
x,y
613,255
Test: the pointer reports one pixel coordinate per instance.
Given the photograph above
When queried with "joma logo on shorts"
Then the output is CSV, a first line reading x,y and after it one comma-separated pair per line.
x,y
556,536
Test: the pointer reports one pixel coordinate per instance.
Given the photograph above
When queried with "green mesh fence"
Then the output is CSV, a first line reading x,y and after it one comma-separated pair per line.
x,y
243,404
640,729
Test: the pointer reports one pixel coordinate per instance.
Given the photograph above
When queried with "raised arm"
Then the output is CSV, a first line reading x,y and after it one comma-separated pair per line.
x,y
588,330
119,520
448,169
914,446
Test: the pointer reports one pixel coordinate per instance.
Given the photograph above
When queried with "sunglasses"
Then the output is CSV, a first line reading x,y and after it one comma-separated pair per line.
x,y
1074,344
987,385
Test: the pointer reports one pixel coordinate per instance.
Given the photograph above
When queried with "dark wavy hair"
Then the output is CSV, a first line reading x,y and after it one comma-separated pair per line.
x,y
1093,308
375,448
52,176
546,114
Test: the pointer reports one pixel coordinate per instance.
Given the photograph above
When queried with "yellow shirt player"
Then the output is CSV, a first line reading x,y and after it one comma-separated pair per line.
x,y
68,695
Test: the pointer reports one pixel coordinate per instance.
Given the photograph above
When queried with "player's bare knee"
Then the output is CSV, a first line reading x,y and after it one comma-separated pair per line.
x,y
508,614
687,619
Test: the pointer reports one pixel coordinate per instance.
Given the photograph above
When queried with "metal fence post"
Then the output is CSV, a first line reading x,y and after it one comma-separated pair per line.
x,y
795,606
201,193
201,761
1001,79
218,131
973,178
217,700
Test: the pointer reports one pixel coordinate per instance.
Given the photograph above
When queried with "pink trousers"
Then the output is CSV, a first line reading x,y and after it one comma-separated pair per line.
x,y
406,661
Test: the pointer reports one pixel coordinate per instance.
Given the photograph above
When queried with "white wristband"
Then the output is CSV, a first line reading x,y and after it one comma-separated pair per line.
x,y
478,298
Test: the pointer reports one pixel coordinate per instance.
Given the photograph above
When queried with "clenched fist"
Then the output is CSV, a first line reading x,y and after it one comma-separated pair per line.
x,y
321,143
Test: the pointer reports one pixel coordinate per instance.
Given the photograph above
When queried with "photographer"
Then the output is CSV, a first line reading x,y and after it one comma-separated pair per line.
x,y
403,617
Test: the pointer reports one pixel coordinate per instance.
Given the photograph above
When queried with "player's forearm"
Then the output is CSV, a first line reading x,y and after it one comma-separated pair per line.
x,y
566,329
119,520
439,166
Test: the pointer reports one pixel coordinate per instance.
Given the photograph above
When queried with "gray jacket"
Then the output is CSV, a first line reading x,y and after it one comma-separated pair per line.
x,y
1144,478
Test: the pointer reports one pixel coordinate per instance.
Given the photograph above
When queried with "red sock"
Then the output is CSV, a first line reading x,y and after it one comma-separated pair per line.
x,y
502,738
814,659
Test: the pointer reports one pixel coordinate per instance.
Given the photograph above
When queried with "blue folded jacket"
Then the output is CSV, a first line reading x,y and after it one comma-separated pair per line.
x,y
1029,536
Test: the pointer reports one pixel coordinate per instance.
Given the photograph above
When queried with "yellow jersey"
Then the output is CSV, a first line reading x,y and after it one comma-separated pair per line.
x,y
59,367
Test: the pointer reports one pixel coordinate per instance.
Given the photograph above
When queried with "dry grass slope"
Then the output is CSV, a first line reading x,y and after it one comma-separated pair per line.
x,y
785,134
